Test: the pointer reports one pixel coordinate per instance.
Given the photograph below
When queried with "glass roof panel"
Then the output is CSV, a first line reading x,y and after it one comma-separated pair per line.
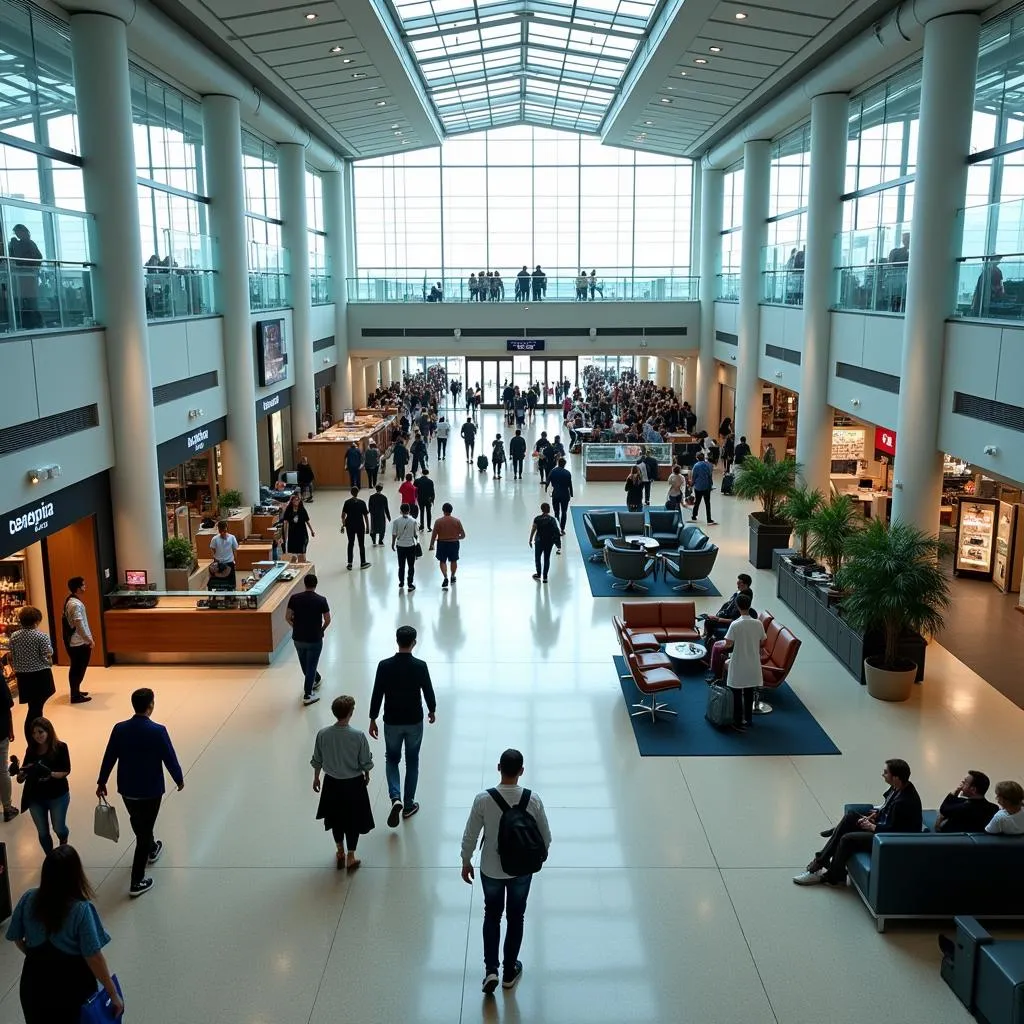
x,y
542,62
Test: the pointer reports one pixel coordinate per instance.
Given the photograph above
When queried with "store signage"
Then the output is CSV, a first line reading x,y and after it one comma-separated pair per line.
x,y
273,403
524,345
885,441
185,446
36,520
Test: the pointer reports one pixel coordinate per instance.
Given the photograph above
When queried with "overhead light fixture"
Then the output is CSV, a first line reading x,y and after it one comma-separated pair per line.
x,y
715,49
740,16
648,122
700,60
398,133
393,127
337,49
346,60
311,16
381,103
666,99
358,74
682,74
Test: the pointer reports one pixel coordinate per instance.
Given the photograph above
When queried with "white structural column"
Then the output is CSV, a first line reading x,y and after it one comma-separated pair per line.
x,y
944,136
291,169
757,163
99,46
662,371
707,405
222,145
357,368
337,248
688,381
824,222
370,371
643,367
396,369
385,372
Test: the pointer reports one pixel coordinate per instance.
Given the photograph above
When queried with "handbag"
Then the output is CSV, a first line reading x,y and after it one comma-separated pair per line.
x,y
418,549
104,821
98,1009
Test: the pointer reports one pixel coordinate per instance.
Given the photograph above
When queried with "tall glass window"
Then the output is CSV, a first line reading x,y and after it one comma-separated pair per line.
x,y
782,262
728,281
319,274
268,270
177,248
45,236
523,196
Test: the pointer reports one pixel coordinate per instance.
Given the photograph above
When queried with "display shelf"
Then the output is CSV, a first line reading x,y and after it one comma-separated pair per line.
x,y
13,591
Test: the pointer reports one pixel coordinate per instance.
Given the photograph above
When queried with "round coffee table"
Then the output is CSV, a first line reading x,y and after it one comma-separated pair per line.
x,y
641,541
685,656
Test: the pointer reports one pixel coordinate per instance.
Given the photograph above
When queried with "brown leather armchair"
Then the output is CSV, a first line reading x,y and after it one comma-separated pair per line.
x,y
783,654
644,655
651,682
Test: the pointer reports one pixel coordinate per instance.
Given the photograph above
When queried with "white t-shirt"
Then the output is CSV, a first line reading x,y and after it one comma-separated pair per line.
x,y
442,429
404,530
746,635
1007,824
224,548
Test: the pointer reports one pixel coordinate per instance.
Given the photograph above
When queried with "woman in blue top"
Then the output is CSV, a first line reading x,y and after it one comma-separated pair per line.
x,y
59,931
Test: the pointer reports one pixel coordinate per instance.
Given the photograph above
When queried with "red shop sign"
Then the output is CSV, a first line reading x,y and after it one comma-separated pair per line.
x,y
885,441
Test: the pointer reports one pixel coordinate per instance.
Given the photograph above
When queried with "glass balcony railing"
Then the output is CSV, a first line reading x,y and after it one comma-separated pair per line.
x,y
638,287
727,286
782,274
269,281
871,269
45,269
990,272
320,286
181,283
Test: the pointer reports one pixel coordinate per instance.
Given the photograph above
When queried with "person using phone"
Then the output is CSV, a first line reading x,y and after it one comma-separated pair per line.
x,y
44,773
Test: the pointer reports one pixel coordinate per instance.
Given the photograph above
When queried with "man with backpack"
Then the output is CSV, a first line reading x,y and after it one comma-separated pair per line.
x,y
515,845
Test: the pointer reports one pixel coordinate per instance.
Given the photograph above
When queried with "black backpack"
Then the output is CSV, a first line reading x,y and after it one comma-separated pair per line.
x,y
67,630
520,844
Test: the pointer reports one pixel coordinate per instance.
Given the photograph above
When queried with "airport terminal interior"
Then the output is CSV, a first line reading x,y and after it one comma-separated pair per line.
x,y
240,240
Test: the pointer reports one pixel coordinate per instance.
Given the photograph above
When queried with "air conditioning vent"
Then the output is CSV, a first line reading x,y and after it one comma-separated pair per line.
x,y
870,378
726,338
164,393
789,355
321,343
23,436
989,411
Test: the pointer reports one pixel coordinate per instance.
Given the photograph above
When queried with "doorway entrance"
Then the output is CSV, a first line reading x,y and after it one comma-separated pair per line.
x,y
520,372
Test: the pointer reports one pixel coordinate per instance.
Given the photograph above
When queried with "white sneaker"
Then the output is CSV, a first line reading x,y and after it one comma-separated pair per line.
x,y
311,699
809,878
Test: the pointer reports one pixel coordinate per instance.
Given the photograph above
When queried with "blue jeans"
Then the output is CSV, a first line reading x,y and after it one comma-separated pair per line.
x,y
394,737
508,895
309,658
43,811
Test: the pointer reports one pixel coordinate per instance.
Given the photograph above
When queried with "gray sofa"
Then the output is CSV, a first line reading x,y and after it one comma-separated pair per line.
x,y
986,973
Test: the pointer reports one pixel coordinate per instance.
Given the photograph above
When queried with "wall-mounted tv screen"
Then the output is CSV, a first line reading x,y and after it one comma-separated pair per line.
x,y
271,352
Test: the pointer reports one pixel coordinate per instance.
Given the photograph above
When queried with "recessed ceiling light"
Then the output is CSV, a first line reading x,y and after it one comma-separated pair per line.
x,y
715,49
311,16
394,126
682,74
337,49
670,87
358,74
346,60
666,99
700,60
381,103
740,16
648,122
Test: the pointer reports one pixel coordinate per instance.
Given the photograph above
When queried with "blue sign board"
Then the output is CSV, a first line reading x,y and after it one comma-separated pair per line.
x,y
525,345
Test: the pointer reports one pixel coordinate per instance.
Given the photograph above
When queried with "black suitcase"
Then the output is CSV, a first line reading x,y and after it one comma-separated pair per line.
x,y
481,463
719,709
727,483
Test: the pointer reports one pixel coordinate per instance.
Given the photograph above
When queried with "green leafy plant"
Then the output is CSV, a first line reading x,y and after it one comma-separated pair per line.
x,y
799,507
178,553
230,499
894,583
831,527
768,483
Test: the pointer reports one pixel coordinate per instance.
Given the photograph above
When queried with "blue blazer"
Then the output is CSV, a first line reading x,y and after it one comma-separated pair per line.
x,y
141,748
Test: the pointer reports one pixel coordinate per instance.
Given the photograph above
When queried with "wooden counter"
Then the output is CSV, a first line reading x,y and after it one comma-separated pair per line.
x,y
326,452
177,631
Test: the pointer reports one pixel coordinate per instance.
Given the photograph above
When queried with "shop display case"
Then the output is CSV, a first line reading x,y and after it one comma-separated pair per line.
x,y
1009,556
976,538
613,461
13,591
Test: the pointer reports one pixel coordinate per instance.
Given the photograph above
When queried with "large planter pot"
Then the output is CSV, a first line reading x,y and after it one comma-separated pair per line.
x,y
765,538
884,684
177,579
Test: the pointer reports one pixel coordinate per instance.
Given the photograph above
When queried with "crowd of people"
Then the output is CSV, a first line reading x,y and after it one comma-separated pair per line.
x,y
529,285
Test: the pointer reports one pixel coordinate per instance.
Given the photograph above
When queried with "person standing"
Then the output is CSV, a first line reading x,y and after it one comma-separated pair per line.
x,y
560,480
702,481
371,463
469,438
744,640
425,496
223,547
546,532
31,658
400,457
141,749
402,684
405,540
78,641
504,892
60,933
442,430
419,453
355,521
44,773
676,486
354,465
304,477
343,755
634,489
309,615
297,527
497,456
741,451
517,452
380,515
446,535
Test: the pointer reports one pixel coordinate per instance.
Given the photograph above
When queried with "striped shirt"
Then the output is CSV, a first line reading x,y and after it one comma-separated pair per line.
x,y
30,651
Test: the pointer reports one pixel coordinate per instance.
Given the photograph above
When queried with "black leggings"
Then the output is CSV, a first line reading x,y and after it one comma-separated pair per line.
x,y
743,705
351,839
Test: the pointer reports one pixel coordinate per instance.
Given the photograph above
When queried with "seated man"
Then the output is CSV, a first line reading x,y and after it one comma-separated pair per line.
x,y
900,811
715,626
966,809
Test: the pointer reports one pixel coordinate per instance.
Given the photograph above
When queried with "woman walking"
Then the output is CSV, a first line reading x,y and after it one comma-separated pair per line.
x,y
676,485
32,656
497,455
60,932
343,755
44,773
634,490
297,527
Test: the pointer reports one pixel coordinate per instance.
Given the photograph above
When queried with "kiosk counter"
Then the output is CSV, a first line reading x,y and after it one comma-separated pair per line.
x,y
326,452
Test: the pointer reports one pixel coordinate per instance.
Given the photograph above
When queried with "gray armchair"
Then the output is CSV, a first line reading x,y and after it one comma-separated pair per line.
x,y
692,538
628,563
630,524
663,526
599,526
689,566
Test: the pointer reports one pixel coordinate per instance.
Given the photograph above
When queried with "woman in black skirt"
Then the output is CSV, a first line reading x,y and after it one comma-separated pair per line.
x,y
343,755
297,527
32,656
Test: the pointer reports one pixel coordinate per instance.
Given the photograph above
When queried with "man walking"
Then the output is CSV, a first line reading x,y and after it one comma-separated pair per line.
x,y
371,463
425,495
469,437
445,536
560,480
354,465
355,521
78,641
517,453
546,533
702,481
504,891
309,615
402,684
404,539
442,430
142,749
418,450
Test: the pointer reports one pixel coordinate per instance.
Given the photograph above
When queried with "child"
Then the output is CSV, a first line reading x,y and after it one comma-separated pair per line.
x,y
1009,819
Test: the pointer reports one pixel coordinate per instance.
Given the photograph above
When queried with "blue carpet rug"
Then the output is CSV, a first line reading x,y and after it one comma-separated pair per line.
x,y
789,730
601,582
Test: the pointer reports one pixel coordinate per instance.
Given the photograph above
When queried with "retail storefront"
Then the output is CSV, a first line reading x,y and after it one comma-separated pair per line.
x,y
274,434
190,469
42,545
323,396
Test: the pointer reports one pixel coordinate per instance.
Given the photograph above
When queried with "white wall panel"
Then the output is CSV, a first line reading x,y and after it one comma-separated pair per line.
x,y
847,343
883,344
20,404
205,345
1010,381
71,370
321,321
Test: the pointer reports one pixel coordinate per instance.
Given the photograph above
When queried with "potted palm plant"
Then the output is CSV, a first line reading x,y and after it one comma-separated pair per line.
x,y
799,507
830,529
179,562
893,584
229,501
768,483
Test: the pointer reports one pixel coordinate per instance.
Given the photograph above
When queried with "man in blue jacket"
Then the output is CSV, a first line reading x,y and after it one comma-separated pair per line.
x,y
702,481
141,749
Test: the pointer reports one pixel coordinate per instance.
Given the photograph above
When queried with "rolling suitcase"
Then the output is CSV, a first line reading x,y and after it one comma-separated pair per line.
x,y
719,709
727,483
481,463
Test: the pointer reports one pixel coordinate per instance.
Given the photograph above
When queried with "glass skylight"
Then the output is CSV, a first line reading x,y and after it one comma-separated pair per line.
x,y
552,63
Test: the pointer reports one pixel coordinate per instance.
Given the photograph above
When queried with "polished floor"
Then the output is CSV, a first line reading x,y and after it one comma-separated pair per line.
x,y
667,896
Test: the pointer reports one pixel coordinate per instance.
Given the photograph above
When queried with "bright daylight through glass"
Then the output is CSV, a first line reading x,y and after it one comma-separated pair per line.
x,y
544,62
